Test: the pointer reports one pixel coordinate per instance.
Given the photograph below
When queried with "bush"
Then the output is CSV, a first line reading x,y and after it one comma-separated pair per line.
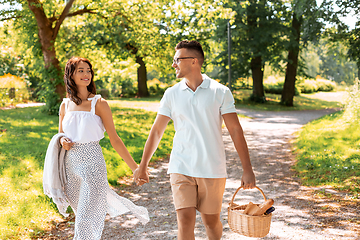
x,y
352,106
103,92
242,83
311,86
277,87
13,90
325,85
128,88
308,86
156,88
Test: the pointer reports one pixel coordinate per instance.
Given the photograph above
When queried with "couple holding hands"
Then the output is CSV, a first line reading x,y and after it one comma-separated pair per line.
x,y
197,105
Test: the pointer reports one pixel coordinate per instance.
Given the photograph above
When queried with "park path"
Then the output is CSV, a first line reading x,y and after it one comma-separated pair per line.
x,y
301,212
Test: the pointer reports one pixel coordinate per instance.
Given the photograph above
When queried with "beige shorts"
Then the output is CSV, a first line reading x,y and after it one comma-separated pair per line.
x,y
205,194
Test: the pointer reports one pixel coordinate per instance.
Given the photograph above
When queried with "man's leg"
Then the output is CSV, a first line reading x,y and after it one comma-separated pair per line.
x,y
213,225
186,218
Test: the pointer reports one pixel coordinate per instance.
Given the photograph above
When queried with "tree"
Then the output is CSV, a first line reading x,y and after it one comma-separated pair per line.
x,y
132,29
352,37
256,39
354,45
305,19
48,27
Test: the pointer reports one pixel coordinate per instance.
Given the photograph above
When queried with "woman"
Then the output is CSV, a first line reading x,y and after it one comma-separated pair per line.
x,y
84,116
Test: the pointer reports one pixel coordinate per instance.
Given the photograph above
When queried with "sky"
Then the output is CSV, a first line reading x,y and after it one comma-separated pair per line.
x,y
349,20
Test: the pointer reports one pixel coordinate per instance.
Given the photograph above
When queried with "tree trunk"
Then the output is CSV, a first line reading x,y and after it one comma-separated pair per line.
x,y
47,36
51,60
256,61
288,93
142,78
257,75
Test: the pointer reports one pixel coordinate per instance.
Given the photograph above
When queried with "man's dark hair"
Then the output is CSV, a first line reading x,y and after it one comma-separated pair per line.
x,y
192,45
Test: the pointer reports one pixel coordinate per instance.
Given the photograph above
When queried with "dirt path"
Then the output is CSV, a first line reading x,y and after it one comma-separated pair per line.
x,y
301,213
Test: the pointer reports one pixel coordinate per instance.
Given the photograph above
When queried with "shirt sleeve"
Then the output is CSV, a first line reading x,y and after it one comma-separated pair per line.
x,y
165,105
228,105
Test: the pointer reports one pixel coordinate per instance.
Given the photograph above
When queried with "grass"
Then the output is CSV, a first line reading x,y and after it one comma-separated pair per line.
x,y
24,135
328,153
303,102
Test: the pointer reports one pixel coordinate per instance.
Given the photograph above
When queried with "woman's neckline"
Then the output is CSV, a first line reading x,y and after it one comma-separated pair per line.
x,y
80,111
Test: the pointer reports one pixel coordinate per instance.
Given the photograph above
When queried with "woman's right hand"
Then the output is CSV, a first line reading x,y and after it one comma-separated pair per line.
x,y
141,177
66,143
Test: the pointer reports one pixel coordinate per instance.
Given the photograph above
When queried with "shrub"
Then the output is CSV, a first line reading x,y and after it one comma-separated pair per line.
x,y
103,92
276,87
352,106
311,86
325,85
308,86
128,88
13,90
242,83
156,88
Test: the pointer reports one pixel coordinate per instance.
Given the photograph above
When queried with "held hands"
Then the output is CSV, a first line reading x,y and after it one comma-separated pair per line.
x,y
141,177
66,143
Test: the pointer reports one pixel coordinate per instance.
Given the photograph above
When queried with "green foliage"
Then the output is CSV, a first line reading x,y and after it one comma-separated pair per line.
x,y
302,102
308,86
128,88
354,49
13,90
277,88
24,137
13,96
311,86
325,85
156,88
352,107
302,85
256,27
47,90
10,64
335,63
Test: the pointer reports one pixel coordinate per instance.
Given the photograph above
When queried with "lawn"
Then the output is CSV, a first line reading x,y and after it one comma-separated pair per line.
x,y
328,149
328,153
24,135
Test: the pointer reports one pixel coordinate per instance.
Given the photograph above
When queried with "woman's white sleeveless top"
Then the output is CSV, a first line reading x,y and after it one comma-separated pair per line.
x,y
83,126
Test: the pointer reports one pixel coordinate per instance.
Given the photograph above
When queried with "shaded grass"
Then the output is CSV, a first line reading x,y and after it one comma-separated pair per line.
x,y
302,102
328,153
24,136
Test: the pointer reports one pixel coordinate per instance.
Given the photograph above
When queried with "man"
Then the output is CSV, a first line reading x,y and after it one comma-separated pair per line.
x,y
197,167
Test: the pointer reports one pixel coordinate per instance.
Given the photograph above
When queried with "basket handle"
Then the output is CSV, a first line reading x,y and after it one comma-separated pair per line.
x,y
232,200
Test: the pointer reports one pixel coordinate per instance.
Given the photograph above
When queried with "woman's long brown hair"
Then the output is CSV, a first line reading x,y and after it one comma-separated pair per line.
x,y
71,88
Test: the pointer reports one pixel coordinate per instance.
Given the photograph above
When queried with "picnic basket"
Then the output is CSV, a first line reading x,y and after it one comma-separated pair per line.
x,y
250,226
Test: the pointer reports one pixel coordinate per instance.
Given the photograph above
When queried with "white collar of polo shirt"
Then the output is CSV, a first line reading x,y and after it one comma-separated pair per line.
x,y
205,83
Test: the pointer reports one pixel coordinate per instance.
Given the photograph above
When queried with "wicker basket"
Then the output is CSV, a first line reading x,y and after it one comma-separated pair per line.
x,y
250,226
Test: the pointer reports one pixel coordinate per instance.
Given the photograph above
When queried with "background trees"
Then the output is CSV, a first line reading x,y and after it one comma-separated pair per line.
x,y
44,20
130,41
306,24
256,32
